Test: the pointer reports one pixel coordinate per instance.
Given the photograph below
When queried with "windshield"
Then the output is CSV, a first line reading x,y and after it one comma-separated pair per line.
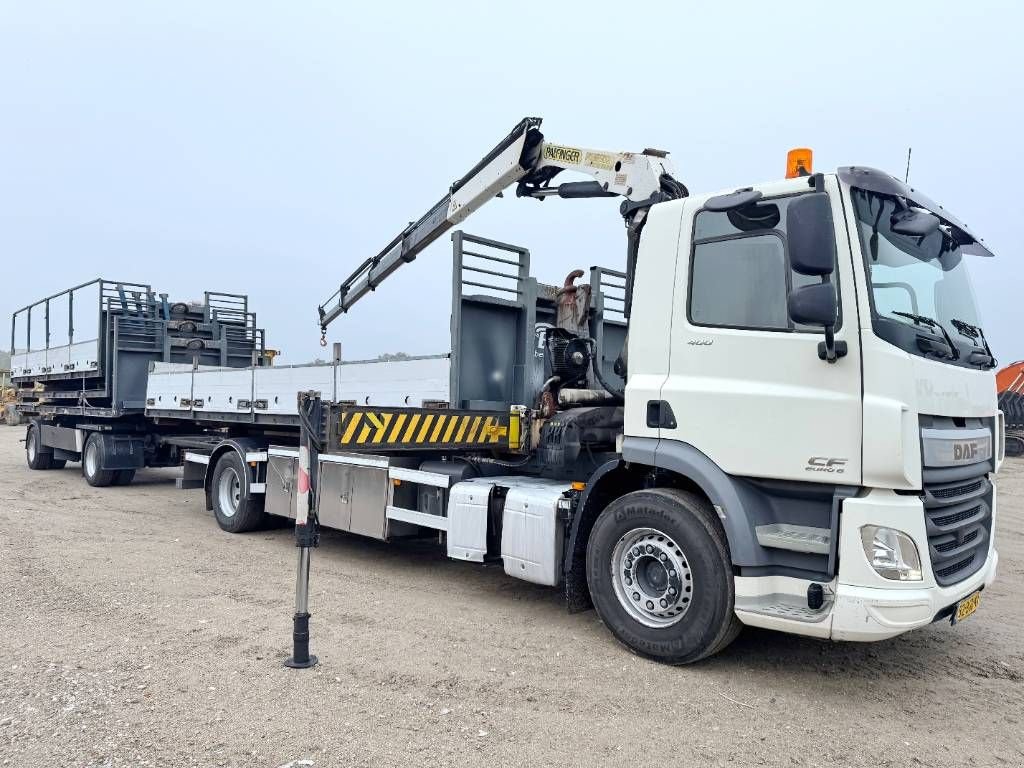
x,y
920,286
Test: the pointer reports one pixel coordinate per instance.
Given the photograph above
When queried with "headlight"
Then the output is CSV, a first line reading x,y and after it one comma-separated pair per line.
x,y
893,554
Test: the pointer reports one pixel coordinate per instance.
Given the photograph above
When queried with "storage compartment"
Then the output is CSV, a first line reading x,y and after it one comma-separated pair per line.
x,y
282,464
532,533
354,493
467,520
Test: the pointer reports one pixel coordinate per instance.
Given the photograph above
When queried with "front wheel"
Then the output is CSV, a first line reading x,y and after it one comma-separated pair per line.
x,y
660,576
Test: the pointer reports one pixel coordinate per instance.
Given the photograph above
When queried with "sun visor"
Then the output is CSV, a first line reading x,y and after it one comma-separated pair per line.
x,y
879,182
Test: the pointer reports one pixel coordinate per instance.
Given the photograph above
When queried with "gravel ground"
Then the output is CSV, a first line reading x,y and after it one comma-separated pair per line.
x,y
134,632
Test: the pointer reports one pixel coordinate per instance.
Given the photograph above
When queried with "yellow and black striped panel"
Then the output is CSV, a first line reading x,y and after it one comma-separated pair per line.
x,y
425,429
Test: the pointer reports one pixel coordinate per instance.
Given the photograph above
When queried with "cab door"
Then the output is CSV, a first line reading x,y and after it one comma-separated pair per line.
x,y
745,383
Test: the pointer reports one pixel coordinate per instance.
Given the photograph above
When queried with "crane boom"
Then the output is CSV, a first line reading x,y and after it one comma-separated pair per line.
x,y
525,158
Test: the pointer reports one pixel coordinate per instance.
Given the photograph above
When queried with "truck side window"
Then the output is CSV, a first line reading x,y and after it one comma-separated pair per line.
x,y
740,283
740,275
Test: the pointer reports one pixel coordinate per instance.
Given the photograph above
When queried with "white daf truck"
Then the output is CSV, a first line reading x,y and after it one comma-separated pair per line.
x,y
799,430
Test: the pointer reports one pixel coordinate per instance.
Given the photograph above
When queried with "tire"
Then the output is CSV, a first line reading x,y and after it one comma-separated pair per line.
x,y
35,455
92,461
236,511
646,544
1014,446
123,477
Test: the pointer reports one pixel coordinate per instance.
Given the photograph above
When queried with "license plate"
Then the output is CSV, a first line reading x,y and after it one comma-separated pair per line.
x,y
966,607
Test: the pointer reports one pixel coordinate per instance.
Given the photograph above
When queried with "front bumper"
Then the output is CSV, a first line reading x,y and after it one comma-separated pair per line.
x,y
863,605
870,613
868,607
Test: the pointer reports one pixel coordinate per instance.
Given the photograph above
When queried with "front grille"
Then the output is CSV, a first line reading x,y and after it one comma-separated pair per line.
x,y
946,546
957,490
957,517
958,513
951,570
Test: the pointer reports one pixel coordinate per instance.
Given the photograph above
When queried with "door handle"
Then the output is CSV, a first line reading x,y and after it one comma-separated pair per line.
x,y
660,415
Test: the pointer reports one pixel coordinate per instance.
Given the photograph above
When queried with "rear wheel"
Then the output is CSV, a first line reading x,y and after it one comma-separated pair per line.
x,y
236,511
36,456
660,576
92,463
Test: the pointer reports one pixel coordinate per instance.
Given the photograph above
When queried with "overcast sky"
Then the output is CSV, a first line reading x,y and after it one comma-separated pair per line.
x,y
268,148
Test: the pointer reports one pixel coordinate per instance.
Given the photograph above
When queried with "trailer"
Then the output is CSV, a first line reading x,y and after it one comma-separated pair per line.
x,y
780,414
81,361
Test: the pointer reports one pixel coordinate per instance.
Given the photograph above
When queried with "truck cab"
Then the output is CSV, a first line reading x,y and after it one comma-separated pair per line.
x,y
856,493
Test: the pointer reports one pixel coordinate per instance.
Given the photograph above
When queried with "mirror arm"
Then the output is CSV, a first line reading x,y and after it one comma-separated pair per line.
x,y
831,350
827,348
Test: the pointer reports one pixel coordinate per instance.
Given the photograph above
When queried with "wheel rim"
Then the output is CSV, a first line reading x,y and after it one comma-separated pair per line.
x,y
651,577
229,492
32,447
92,459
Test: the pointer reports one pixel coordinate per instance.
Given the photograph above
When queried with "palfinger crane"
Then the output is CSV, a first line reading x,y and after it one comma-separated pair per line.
x,y
524,158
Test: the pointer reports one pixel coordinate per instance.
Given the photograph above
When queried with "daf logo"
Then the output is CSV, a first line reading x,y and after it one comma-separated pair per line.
x,y
965,451
826,464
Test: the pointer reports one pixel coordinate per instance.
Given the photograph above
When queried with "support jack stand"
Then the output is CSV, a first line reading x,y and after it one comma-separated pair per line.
x,y
307,535
301,658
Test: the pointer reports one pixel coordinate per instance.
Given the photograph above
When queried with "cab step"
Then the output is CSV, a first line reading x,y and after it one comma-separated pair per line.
x,y
783,606
795,538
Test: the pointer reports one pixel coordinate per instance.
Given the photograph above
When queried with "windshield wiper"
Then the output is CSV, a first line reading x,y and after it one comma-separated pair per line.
x,y
954,353
983,356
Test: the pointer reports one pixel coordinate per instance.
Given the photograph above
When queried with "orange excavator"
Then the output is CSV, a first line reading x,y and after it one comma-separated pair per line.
x,y
1010,386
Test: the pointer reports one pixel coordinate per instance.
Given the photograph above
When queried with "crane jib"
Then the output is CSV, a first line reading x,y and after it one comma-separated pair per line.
x,y
523,156
500,167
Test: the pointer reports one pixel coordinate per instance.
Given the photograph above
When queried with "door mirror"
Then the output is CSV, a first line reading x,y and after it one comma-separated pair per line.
x,y
812,251
817,305
812,237
814,305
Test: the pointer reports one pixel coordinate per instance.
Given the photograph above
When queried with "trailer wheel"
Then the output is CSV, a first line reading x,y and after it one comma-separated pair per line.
x,y
123,477
92,463
36,456
235,509
660,576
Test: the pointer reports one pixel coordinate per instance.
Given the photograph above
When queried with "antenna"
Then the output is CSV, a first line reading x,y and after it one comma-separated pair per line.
x,y
906,179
